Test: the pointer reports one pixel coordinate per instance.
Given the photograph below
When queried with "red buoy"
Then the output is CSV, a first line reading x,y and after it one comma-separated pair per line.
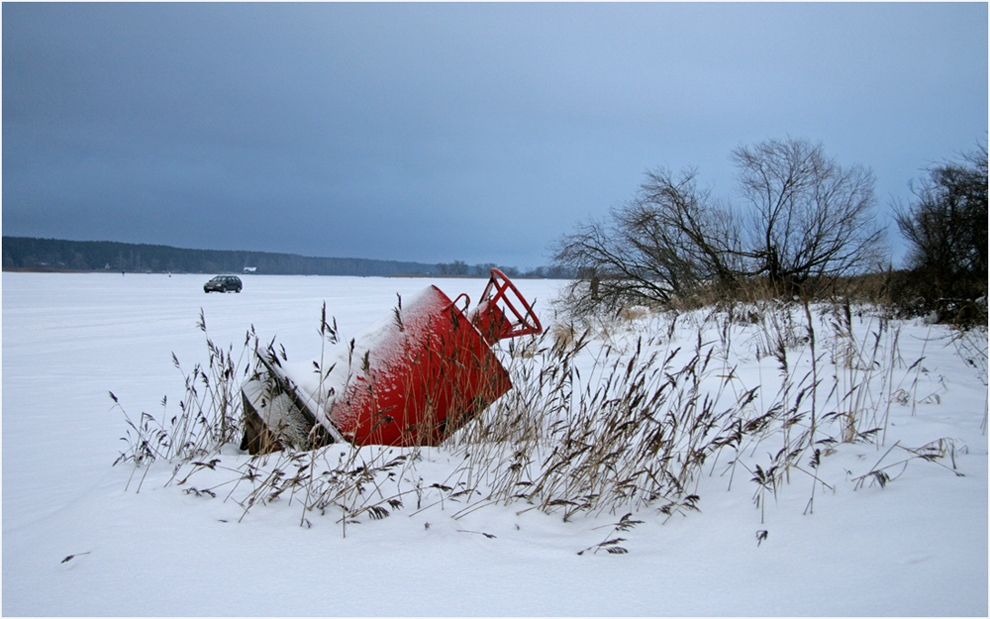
x,y
413,378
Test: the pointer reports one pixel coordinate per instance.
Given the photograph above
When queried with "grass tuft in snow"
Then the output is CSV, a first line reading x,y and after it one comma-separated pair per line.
x,y
209,415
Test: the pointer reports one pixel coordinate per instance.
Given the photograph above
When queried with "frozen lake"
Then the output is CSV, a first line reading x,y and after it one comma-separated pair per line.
x,y
916,547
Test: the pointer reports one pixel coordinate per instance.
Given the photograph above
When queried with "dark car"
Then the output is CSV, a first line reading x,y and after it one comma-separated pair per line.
x,y
223,283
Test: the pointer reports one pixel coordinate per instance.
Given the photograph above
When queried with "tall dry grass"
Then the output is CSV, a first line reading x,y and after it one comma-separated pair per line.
x,y
607,416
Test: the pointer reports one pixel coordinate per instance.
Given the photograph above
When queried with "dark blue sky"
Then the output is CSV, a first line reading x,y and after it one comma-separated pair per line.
x,y
441,132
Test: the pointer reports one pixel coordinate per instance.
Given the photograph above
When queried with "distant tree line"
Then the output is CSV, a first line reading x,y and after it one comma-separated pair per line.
x,y
461,268
32,253
61,255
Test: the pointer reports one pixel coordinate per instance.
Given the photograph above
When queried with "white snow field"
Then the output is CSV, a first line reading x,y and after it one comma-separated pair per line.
x,y
83,537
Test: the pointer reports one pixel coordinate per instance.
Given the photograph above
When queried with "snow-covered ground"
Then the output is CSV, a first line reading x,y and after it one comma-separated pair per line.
x,y
916,545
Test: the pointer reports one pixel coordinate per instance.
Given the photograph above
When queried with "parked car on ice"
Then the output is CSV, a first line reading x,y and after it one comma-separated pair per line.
x,y
223,283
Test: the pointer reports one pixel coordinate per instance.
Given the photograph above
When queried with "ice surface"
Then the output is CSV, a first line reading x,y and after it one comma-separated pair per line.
x,y
917,546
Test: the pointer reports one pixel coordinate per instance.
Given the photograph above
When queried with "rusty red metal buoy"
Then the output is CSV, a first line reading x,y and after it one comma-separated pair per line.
x,y
412,378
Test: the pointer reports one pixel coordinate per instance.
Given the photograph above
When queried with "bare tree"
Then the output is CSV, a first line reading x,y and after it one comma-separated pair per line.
x,y
809,218
667,241
686,220
805,219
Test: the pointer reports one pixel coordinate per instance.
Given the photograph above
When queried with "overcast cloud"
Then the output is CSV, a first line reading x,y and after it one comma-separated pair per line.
x,y
441,132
